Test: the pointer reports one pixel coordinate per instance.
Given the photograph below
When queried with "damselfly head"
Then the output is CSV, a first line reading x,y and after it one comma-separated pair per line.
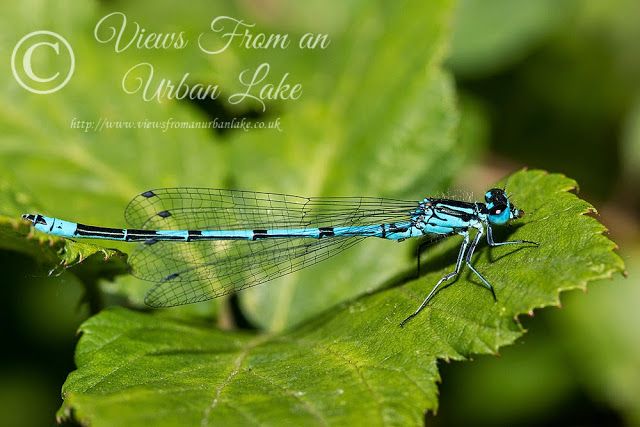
x,y
500,208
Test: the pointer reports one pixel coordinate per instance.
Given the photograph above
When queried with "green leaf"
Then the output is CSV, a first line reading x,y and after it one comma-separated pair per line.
x,y
89,176
370,132
359,129
353,362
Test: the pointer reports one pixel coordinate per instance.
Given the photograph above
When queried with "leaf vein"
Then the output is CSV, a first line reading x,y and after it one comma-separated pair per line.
x,y
288,392
238,363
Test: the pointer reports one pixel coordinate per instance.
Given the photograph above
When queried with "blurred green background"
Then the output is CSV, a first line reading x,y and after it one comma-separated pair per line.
x,y
542,84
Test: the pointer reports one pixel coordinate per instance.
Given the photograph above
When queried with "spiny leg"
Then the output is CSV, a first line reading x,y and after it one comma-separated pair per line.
x,y
472,249
493,243
444,278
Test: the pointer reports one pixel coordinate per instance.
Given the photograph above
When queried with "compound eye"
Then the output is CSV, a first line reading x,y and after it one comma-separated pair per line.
x,y
498,209
488,196
495,195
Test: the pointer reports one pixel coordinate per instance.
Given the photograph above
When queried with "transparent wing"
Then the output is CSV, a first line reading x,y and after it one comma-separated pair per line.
x,y
188,272
233,266
214,209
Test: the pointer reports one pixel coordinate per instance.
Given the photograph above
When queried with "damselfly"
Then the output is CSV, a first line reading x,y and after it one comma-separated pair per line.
x,y
201,243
